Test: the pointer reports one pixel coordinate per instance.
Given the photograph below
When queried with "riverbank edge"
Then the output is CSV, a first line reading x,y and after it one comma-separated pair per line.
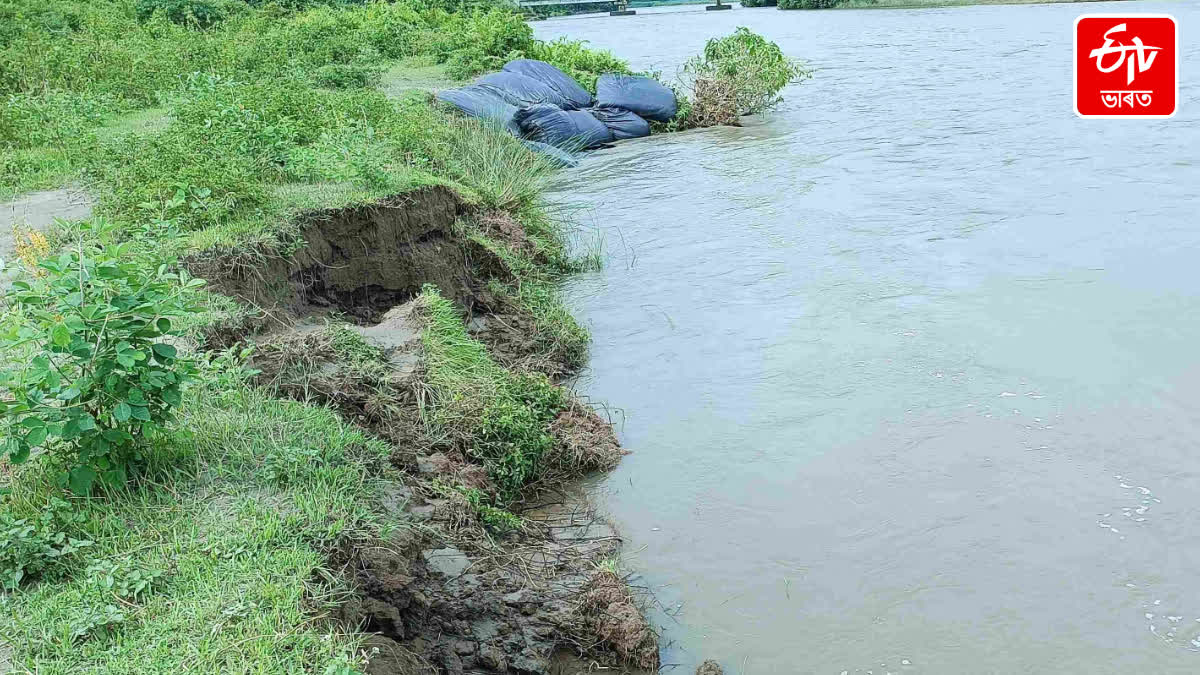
x,y
579,608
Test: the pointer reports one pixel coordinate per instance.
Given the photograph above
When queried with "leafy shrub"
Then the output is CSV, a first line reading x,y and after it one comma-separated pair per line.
x,y
199,13
54,118
41,546
809,4
96,376
59,18
347,75
481,41
752,3
740,74
512,436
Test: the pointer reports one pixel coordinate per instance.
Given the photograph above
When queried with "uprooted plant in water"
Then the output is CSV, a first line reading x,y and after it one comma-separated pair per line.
x,y
736,75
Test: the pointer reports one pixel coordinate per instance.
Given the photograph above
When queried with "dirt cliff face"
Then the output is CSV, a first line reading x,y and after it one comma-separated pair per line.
x,y
360,259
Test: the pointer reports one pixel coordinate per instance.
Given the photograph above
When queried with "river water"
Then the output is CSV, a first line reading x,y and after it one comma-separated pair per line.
x,y
911,369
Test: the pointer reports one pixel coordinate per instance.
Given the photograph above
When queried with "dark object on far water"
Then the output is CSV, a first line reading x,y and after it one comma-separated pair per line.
x,y
643,95
622,12
622,123
576,96
483,103
558,156
522,90
570,129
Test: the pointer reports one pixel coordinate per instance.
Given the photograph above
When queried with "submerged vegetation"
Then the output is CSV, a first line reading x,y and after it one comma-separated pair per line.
x,y
740,74
164,505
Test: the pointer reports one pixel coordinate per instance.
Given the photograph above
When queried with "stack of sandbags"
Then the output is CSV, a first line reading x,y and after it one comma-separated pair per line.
x,y
568,129
642,95
540,103
482,103
569,89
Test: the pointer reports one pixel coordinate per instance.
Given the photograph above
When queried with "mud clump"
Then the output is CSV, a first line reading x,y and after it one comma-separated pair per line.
x,y
583,442
613,615
710,667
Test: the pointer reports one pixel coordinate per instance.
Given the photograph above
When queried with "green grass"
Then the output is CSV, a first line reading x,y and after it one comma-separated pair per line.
x,y
238,515
500,416
415,74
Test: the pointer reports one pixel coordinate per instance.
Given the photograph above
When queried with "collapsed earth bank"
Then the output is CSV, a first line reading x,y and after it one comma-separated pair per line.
x,y
460,585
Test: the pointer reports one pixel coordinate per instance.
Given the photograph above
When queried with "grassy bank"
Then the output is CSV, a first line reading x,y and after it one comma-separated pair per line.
x,y
199,477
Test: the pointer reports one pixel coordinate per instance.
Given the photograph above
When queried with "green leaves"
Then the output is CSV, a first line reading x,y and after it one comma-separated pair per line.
x,y
60,335
98,376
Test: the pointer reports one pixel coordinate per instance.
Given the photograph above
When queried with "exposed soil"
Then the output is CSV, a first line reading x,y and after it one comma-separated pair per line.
x,y
444,595
361,260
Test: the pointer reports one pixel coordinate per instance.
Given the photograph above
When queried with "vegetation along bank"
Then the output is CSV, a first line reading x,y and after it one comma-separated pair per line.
x,y
282,393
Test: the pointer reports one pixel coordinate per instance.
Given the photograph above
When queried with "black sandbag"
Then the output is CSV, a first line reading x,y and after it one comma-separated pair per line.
x,y
643,95
558,156
570,129
543,72
484,104
521,90
621,122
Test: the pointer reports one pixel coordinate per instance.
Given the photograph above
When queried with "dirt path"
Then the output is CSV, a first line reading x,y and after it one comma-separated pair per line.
x,y
38,210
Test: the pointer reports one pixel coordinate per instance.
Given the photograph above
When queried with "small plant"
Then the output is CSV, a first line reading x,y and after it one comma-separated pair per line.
x,y
31,547
96,375
97,623
493,518
124,580
739,74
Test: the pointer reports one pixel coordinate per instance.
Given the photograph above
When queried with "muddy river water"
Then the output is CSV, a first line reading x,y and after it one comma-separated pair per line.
x,y
911,369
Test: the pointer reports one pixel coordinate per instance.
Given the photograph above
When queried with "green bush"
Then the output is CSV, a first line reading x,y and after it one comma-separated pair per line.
x,y
740,74
199,13
809,4
97,377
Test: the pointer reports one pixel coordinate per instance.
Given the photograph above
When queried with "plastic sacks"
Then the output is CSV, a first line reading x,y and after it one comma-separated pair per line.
x,y
557,156
521,90
483,103
576,96
645,96
570,129
622,123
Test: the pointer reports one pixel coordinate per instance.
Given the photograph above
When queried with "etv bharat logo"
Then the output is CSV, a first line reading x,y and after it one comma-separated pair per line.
x,y
1126,65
